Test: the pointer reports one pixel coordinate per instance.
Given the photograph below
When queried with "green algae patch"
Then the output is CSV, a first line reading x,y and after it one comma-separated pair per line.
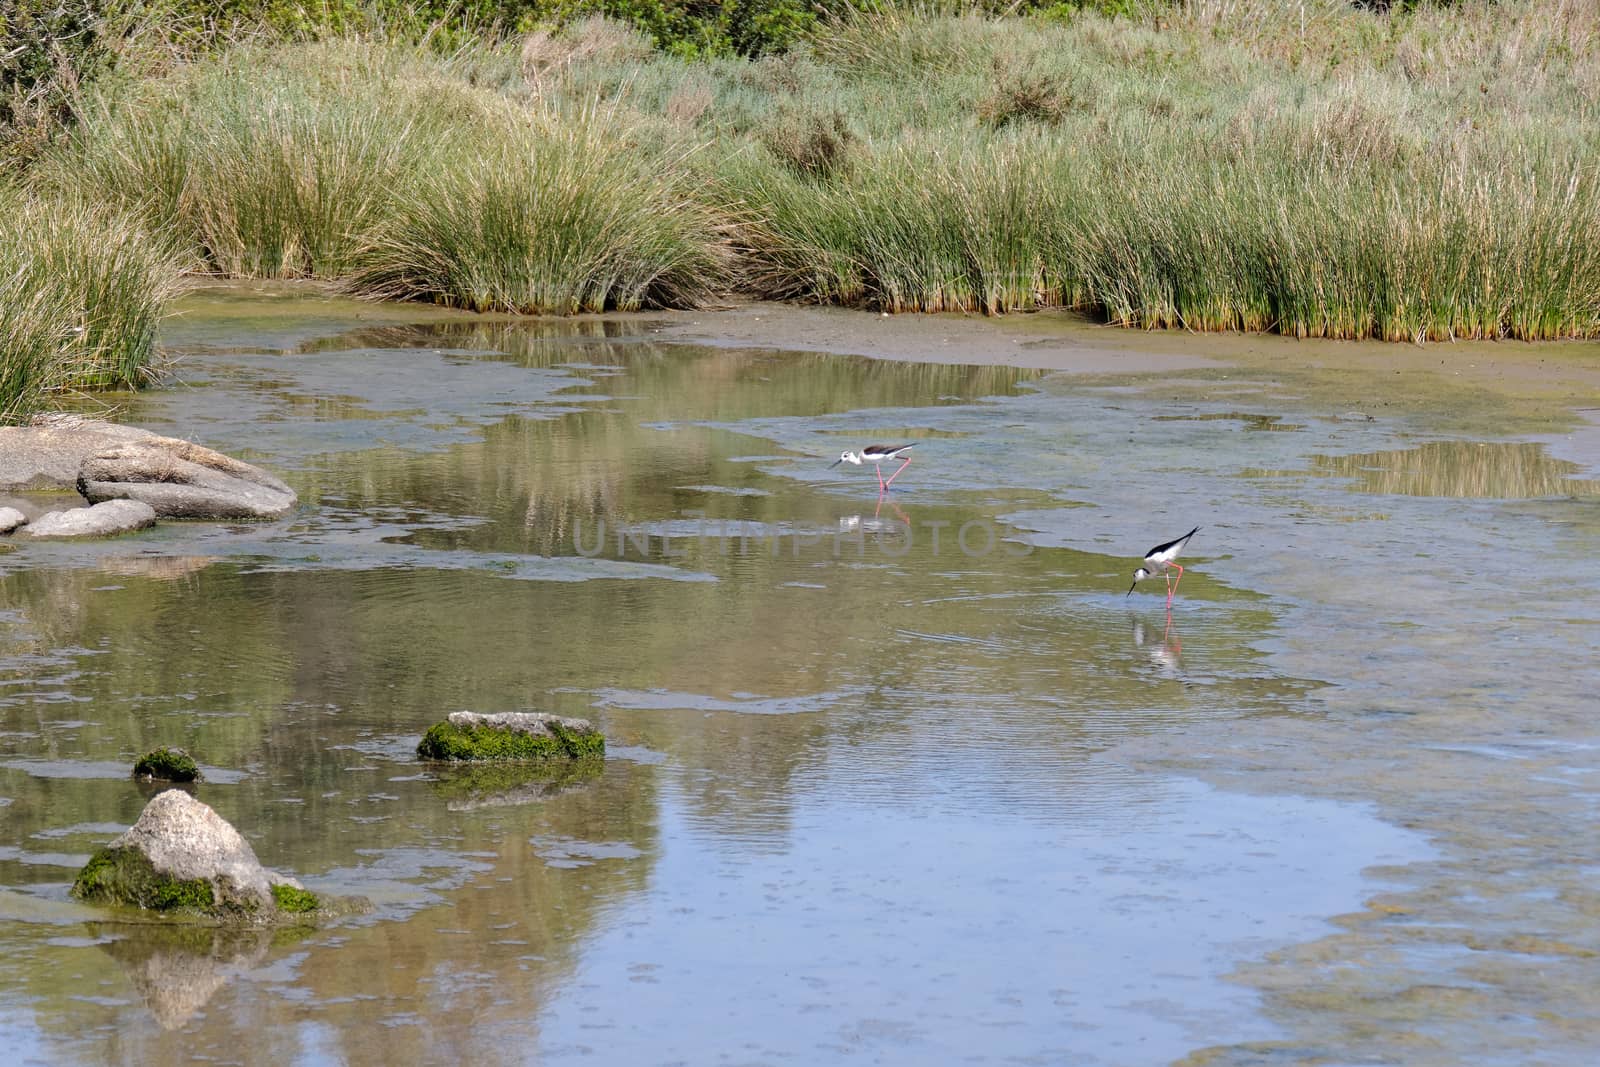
x,y
125,876
511,736
294,901
167,765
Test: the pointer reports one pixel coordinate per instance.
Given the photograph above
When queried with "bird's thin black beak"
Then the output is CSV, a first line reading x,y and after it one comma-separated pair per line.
x,y
835,463
1132,587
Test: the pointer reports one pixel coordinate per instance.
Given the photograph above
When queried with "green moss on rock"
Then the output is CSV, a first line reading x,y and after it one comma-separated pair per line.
x,y
293,900
126,876
481,741
167,765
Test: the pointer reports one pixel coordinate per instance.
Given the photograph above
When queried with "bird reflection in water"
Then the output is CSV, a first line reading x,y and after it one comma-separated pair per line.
x,y
1166,654
877,523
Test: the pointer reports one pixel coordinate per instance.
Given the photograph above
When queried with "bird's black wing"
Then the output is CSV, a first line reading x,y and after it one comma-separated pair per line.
x,y
1176,542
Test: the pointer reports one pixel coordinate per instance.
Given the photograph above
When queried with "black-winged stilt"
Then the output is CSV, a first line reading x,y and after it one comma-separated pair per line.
x,y
877,455
1159,559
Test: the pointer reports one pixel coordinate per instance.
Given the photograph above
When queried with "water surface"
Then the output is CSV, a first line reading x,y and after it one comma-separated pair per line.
x,y
897,781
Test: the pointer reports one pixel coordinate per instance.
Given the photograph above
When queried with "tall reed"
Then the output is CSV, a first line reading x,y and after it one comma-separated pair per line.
x,y
82,290
269,162
1314,169
548,217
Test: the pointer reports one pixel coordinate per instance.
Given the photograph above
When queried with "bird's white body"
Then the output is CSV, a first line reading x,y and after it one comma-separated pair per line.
x,y
1159,559
878,455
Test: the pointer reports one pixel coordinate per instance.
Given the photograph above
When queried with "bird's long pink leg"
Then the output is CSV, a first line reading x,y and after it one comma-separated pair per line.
x,y
896,474
1175,584
881,484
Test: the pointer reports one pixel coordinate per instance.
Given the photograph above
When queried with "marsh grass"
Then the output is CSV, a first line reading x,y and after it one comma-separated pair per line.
x,y
552,217
1346,189
269,162
1308,168
81,294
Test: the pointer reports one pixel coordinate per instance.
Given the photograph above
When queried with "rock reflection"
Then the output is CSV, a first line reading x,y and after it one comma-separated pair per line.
x,y
501,785
177,968
161,568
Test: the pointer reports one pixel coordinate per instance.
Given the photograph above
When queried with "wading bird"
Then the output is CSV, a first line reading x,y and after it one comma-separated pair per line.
x,y
877,455
1158,559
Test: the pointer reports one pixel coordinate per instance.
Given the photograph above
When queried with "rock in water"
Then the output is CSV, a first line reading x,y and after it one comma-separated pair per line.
x,y
10,519
167,765
183,481
48,453
104,461
511,735
181,855
101,520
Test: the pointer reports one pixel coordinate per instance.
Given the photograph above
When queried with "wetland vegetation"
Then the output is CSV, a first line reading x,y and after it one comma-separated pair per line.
x,y
1315,169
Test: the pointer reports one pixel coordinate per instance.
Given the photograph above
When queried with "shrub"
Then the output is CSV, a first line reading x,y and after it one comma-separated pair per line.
x,y
48,48
816,145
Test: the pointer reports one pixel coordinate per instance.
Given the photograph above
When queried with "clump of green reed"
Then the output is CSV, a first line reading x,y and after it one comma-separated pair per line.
x,y
548,217
1307,168
82,290
269,162
1204,183
913,227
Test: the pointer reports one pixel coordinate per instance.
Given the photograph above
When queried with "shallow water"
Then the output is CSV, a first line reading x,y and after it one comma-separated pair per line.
x,y
906,781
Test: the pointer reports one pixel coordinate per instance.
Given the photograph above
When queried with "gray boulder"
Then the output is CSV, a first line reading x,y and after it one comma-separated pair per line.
x,y
47,453
10,519
183,481
101,520
104,461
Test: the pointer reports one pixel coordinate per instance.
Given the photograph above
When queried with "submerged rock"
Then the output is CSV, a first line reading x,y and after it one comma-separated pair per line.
x,y
167,765
10,519
182,856
100,520
511,735
104,461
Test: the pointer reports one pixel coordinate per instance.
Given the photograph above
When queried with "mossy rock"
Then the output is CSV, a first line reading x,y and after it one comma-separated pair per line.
x,y
126,876
182,859
519,736
167,765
